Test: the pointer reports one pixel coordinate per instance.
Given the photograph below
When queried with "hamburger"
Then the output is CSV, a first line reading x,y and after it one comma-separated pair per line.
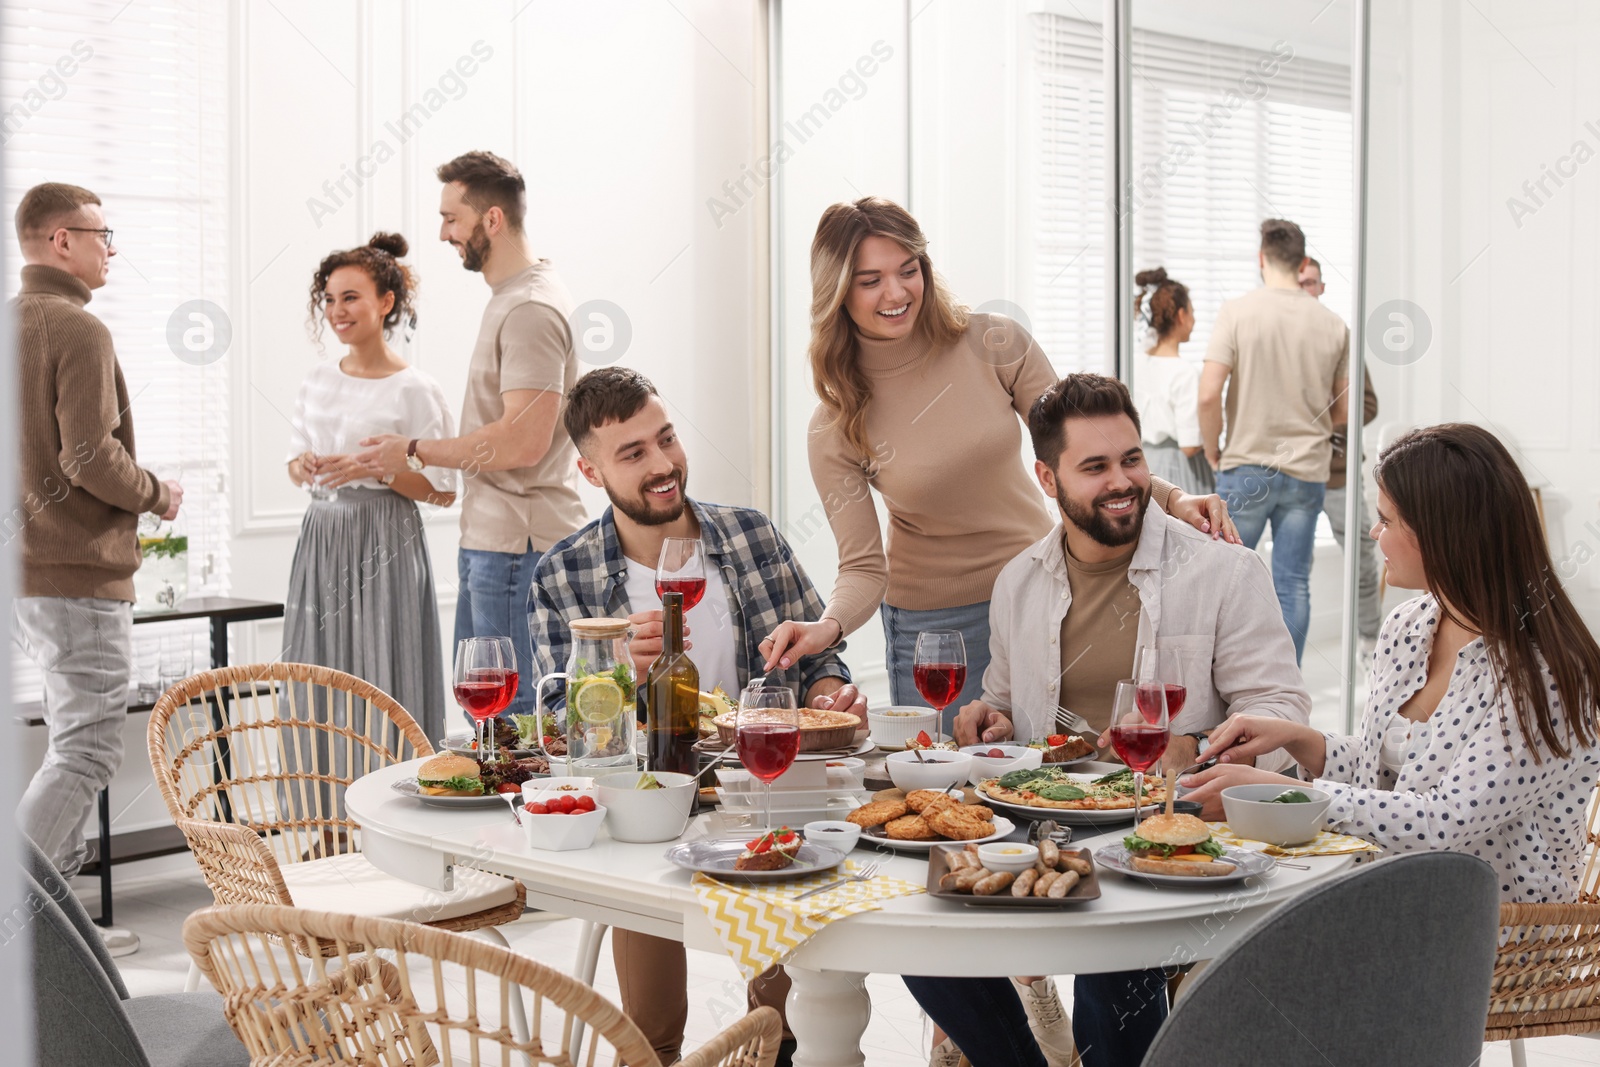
x,y
772,851
1175,844
450,775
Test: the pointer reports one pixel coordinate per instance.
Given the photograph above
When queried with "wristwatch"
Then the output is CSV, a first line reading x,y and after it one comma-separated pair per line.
x,y
1201,743
413,460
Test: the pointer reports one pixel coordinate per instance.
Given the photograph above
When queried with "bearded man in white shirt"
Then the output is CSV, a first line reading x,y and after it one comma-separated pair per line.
x,y
1068,614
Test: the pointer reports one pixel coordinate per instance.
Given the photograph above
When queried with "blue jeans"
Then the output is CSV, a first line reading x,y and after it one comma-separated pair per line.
x,y
1114,1017
1258,495
492,601
900,629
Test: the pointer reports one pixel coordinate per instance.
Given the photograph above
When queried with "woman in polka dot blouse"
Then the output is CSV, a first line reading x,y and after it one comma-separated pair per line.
x,y
1480,735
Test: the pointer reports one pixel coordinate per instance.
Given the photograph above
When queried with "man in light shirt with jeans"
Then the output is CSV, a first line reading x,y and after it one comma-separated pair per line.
x,y
1067,618
520,491
1284,359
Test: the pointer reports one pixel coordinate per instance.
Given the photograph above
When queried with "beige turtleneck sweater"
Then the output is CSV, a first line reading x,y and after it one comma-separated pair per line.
x,y
81,491
946,430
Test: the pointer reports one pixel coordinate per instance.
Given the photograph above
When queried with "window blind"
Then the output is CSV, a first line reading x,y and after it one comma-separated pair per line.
x,y
1219,144
130,100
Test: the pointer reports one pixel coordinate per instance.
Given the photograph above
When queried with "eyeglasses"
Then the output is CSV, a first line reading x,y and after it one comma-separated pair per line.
x,y
84,229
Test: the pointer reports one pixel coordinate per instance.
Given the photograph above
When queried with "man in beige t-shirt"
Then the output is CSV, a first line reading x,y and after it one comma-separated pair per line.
x,y
520,493
1284,359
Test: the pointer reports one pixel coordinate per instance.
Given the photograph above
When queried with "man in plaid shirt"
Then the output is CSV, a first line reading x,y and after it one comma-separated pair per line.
x,y
628,447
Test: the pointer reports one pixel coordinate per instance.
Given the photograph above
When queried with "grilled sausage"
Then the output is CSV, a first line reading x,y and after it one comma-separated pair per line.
x,y
1046,880
1024,883
1063,885
1079,865
991,885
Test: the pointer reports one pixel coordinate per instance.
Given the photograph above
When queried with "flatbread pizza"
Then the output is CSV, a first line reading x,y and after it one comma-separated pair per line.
x,y
1055,787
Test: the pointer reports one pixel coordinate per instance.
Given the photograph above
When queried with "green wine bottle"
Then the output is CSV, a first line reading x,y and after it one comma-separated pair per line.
x,y
670,698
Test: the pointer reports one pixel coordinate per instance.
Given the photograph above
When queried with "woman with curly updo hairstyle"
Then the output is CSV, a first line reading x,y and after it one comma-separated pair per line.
x,y
362,561
1166,388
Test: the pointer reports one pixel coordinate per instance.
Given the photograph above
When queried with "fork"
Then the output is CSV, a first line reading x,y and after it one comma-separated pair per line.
x,y
1072,722
514,799
862,875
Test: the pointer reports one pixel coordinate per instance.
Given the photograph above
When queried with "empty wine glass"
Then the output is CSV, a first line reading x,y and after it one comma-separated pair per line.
x,y
767,734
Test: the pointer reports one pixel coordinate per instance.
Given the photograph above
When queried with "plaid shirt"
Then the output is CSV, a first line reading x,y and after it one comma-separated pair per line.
x,y
585,576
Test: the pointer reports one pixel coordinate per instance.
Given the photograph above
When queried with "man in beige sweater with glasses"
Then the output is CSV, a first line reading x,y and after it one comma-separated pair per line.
x,y
81,496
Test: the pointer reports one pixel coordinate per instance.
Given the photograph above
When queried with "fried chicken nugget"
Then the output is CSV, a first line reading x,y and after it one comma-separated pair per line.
x,y
910,828
958,824
877,813
919,800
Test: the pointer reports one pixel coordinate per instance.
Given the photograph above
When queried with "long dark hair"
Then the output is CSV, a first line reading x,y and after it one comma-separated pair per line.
x,y
1484,558
380,258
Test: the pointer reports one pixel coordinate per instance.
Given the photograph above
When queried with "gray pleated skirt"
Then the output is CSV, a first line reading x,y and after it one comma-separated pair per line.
x,y
1192,474
361,600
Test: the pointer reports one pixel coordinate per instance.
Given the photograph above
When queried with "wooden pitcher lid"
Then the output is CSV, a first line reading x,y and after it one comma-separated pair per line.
x,y
599,629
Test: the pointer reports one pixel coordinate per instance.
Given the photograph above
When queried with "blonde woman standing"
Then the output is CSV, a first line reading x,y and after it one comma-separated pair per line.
x,y
1167,387
923,401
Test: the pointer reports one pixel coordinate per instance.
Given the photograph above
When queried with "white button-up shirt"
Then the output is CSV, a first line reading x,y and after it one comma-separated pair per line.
x,y
1469,782
1211,601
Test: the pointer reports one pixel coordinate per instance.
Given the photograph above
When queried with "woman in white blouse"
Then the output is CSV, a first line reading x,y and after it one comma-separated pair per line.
x,y
1482,733
361,587
1167,387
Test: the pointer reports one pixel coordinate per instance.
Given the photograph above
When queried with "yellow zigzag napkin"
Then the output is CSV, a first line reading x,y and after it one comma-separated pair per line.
x,y
1326,843
760,925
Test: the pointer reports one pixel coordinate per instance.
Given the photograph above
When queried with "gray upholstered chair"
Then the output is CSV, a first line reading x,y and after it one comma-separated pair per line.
x,y
83,1015
1389,963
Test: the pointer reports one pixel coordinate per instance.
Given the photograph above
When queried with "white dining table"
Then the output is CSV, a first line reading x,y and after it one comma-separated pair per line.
x,y
1132,925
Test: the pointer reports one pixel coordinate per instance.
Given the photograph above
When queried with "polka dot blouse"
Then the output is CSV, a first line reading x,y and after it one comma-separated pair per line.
x,y
1469,782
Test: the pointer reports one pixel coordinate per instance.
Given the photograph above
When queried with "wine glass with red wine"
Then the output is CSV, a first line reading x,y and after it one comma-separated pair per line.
x,y
940,670
681,568
1157,669
485,683
767,734
1138,740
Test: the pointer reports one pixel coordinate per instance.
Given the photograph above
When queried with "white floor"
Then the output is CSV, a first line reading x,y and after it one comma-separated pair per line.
x,y
154,897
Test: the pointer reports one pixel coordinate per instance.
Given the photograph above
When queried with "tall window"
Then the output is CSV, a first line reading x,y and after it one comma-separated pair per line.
x,y
130,99
1223,137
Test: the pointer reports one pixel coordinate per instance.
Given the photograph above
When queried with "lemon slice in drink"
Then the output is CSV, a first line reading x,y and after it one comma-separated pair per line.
x,y
598,700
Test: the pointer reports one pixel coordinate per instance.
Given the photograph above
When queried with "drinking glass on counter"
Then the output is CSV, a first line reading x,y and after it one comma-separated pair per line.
x,y
767,735
1139,739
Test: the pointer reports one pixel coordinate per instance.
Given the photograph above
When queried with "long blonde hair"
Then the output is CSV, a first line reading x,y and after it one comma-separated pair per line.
x,y
836,371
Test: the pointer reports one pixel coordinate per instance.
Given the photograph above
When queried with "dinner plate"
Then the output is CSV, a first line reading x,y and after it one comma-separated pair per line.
x,y
717,858
1086,889
876,836
1068,816
407,787
860,748
1246,864
464,745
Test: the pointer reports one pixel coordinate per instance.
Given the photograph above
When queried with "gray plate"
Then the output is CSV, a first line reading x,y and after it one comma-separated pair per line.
x,y
461,745
716,858
407,787
876,835
1245,864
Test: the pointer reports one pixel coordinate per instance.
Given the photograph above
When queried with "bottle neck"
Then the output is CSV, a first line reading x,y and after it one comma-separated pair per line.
x,y
672,624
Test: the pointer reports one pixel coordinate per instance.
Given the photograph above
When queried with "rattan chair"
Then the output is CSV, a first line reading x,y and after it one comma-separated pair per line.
x,y
254,761
1547,972
431,997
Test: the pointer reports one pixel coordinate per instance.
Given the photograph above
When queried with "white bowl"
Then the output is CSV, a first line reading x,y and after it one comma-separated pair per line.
x,y
1015,758
562,833
847,772
559,786
644,815
1252,815
939,769
893,727
1013,857
841,835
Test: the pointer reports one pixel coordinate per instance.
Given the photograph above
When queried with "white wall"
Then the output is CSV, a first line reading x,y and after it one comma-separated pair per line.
x,y
859,149
1470,103
624,120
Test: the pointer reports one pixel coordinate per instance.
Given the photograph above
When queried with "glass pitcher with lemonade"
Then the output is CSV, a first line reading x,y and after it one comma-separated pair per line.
x,y
600,718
